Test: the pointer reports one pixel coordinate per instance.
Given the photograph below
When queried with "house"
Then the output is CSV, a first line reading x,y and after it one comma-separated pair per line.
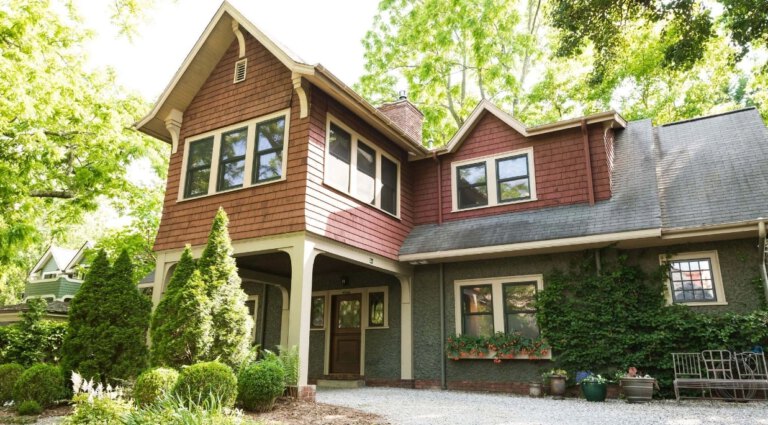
x,y
56,277
366,249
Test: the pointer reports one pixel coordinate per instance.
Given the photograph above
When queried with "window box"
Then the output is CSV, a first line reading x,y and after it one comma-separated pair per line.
x,y
506,178
361,169
243,155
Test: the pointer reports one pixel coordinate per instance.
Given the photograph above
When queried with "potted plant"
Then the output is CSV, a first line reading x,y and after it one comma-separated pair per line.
x,y
594,387
466,346
504,345
534,389
557,379
636,387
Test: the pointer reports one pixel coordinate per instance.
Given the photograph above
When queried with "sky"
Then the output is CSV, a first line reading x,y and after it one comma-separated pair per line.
x,y
324,31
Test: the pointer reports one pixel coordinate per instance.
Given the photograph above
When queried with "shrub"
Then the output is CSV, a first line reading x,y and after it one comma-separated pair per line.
x,y
108,321
9,374
289,358
29,408
181,323
97,410
42,383
176,411
34,339
204,380
259,385
153,385
231,324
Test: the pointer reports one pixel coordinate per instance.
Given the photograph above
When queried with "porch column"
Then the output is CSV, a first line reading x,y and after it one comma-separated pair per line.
x,y
302,260
160,277
406,328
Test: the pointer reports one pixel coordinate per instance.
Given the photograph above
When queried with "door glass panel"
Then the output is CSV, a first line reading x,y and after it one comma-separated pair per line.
x,y
349,314
376,309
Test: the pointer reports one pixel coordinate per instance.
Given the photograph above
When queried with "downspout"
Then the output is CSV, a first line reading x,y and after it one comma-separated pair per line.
x,y
263,316
439,189
588,162
763,256
443,383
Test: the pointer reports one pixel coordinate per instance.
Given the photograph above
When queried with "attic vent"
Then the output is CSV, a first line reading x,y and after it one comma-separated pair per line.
x,y
240,70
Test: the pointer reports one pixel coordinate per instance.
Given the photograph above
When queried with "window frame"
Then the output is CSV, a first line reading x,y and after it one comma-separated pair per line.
x,y
222,162
712,256
325,308
492,180
507,311
352,189
497,292
465,314
250,155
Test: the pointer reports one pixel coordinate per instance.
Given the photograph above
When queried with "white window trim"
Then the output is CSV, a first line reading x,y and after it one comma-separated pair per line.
x,y
250,151
355,136
497,292
490,169
716,275
364,291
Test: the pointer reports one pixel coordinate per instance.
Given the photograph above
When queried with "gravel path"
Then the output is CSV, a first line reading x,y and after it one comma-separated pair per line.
x,y
406,407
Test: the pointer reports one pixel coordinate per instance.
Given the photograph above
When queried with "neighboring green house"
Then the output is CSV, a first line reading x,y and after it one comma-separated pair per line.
x,y
58,274
56,278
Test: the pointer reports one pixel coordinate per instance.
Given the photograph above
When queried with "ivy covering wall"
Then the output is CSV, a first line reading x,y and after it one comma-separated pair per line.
x,y
619,318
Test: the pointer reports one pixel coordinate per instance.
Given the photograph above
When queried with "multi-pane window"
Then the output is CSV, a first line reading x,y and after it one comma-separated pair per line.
x,y
512,180
232,159
198,168
496,180
520,309
317,316
694,278
375,309
477,310
361,169
268,158
242,155
472,185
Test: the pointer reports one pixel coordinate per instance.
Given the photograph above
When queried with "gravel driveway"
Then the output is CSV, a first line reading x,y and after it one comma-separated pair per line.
x,y
403,406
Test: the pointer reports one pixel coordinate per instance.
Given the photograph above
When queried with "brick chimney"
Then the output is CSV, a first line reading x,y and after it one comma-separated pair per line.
x,y
405,115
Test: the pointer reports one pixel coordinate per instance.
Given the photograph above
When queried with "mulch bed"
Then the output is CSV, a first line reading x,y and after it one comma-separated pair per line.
x,y
292,412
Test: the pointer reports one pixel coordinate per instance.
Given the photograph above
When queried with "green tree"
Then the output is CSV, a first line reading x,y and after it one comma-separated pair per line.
x,y
451,54
181,323
66,136
687,26
231,324
108,321
34,339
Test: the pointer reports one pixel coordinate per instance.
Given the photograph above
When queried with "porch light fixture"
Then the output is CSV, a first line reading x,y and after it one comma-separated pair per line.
x,y
344,281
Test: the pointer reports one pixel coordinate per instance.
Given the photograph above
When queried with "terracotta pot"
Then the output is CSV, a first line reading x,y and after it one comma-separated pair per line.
x,y
557,386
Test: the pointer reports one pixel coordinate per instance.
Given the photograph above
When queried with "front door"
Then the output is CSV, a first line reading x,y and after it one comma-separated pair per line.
x,y
345,333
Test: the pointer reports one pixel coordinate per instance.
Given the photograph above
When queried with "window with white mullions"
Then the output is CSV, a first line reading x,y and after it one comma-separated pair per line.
x,y
472,185
232,159
340,158
366,173
692,280
198,167
268,158
520,309
477,310
512,180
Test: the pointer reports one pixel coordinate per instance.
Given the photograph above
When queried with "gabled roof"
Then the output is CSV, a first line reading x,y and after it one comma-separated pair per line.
x,y
486,107
79,255
207,53
61,257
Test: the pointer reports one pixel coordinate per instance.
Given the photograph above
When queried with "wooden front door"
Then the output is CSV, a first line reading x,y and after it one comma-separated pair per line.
x,y
345,333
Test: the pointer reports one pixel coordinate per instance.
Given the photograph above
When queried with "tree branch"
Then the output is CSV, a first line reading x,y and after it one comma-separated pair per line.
x,y
61,194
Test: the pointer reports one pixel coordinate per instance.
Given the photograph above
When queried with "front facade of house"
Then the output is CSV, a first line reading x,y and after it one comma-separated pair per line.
x,y
366,249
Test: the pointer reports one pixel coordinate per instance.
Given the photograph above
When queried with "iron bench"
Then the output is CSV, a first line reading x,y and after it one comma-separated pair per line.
x,y
741,376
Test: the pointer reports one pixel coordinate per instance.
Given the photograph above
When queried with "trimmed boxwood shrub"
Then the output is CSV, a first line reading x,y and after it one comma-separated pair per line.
x,y
201,381
259,385
29,408
9,374
153,384
42,383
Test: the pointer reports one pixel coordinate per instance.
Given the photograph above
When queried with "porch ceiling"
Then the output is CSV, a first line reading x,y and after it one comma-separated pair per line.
x,y
279,263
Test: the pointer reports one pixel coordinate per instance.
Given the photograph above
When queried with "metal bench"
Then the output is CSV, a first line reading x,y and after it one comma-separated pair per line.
x,y
727,376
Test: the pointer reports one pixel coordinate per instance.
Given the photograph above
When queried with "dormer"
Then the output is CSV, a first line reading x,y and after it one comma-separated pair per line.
x,y
58,274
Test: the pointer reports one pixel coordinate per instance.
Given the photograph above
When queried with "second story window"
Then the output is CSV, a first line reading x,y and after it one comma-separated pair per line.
x,y
242,155
361,169
495,180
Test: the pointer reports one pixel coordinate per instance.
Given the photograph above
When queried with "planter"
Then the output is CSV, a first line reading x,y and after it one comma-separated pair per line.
x,y
638,390
594,391
534,389
557,386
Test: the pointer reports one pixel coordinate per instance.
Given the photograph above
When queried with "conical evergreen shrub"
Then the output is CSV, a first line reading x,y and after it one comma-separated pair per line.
x,y
231,324
181,323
